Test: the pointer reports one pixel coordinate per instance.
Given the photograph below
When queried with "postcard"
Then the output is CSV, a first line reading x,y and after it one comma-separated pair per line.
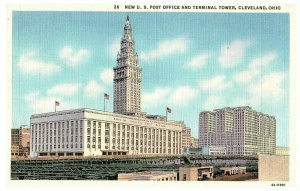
x,y
163,92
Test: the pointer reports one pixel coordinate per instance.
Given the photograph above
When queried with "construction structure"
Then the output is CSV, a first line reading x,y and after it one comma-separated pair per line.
x,y
108,167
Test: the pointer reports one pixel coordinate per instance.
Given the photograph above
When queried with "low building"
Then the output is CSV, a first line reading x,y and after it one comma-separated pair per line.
x,y
195,173
89,132
192,151
194,143
14,151
282,151
149,176
212,150
233,170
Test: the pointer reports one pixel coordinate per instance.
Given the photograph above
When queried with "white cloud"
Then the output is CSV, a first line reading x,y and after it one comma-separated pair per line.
x,y
42,103
198,61
214,102
107,76
65,89
165,48
114,48
71,56
233,53
93,89
270,87
217,83
254,68
182,96
157,97
262,61
28,64
245,76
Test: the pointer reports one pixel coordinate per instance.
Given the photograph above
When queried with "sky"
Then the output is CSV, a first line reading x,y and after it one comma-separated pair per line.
x,y
191,62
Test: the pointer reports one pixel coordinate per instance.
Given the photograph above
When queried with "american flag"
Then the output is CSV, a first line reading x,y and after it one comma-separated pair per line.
x,y
56,103
169,110
106,96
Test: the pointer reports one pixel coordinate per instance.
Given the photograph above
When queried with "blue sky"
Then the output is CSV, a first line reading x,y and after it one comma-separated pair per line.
x,y
191,62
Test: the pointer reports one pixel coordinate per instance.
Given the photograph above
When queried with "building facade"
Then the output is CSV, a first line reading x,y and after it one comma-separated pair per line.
x,y
186,137
149,176
20,141
282,151
194,142
87,132
242,130
127,76
196,173
211,150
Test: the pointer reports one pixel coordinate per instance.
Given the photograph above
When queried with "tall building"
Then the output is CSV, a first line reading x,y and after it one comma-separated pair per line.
x,y
186,137
127,76
127,131
20,141
242,130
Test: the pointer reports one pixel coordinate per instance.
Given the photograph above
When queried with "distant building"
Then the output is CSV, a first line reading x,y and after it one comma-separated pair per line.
x,y
242,130
149,176
212,150
195,173
282,151
186,137
233,170
194,142
15,151
20,142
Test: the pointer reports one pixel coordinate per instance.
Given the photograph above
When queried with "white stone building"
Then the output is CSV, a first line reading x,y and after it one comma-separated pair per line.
x,y
87,132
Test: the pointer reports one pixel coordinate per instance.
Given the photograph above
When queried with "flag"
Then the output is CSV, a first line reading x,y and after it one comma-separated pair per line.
x,y
169,110
106,96
56,103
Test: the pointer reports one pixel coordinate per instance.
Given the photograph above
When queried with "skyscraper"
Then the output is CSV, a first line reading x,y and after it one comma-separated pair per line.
x,y
242,130
127,76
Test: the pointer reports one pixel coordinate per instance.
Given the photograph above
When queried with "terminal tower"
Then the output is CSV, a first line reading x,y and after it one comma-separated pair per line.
x,y
127,76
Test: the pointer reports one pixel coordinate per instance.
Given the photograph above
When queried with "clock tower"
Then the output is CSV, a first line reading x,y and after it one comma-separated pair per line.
x,y
127,76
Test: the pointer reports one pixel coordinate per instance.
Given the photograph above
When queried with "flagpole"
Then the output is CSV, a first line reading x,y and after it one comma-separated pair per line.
x,y
104,102
166,114
55,107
